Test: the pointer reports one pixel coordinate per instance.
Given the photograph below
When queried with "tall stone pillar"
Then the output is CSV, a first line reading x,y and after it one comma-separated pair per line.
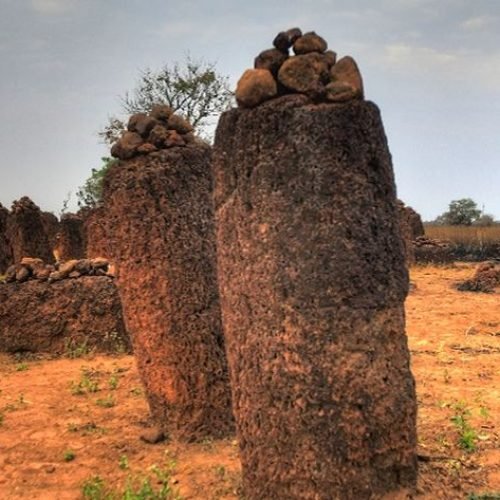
x,y
160,202
313,282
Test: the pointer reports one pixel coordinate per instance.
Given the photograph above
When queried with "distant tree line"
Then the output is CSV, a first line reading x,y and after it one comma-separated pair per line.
x,y
464,212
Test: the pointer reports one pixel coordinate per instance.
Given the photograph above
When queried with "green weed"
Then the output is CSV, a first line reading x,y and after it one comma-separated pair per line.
x,y
107,402
484,412
123,462
94,489
467,435
113,382
151,487
85,385
69,455
74,350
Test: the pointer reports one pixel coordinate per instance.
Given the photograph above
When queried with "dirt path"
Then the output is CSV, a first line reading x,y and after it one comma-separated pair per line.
x,y
65,421
455,343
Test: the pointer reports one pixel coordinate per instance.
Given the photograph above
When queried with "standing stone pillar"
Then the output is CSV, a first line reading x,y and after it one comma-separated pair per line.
x,y
406,233
5,248
313,280
164,248
26,231
411,229
51,227
97,237
70,239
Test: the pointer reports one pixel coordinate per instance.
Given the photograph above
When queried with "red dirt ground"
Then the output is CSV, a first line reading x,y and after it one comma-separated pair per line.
x,y
455,343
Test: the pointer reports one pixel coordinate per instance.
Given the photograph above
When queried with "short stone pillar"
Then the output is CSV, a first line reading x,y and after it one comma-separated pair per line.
x,y
160,201
26,231
313,281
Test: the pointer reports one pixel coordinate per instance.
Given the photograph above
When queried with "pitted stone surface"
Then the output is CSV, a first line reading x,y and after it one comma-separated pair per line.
x,y
26,231
312,71
164,248
70,239
38,316
313,282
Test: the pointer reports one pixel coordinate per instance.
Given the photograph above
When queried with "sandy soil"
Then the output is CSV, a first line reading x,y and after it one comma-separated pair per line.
x,y
65,421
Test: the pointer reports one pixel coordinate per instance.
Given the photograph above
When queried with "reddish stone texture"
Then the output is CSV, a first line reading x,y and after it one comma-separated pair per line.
x,y
6,258
416,224
164,249
38,316
428,250
411,228
70,240
97,235
51,227
26,231
313,71
313,282
486,279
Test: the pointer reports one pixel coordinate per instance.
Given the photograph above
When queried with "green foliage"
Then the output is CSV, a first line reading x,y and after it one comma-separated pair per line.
x,y
69,455
90,194
485,220
94,489
21,367
85,385
113,382
136,488
193,89
123,462
74,350
461,212
107,402
484,412
65,204
467,435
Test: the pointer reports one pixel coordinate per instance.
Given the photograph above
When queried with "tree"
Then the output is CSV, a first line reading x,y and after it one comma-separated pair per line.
x,y
193,89
90,194
461,212
486,220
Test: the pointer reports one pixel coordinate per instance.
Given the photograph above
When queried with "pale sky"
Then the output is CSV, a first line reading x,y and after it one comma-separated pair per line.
x,y
432,66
